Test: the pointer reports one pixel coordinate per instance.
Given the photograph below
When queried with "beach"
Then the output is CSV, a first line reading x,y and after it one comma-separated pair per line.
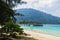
x,y
41,36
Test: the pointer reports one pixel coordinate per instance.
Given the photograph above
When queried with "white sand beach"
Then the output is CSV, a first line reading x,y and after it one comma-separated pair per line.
x,y
41,36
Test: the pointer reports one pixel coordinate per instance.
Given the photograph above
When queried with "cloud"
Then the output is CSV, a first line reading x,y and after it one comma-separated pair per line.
x,y
38,3
56,13
49,6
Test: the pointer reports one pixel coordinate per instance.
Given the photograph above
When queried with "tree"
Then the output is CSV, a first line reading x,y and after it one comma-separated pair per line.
x,y
13,3
10,27
6,12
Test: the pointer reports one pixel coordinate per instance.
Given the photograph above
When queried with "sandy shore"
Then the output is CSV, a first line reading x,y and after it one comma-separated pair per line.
x,y
41,36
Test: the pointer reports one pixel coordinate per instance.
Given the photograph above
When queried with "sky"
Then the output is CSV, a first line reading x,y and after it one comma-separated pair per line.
x,y
51,7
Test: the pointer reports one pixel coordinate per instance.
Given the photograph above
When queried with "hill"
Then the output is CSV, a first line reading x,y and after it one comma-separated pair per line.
x,y
37,16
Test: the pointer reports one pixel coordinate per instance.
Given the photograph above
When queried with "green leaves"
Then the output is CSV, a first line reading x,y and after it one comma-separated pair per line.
x,y
13,3
11,27
5,12
7,16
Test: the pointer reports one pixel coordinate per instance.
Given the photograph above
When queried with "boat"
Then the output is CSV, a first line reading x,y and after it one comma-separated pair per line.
x,y
38,25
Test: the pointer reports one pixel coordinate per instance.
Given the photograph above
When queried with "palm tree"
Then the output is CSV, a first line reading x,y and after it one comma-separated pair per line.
x,y
6,12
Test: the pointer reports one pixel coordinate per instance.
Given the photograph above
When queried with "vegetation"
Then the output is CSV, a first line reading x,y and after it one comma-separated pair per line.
x,y
22,22
7,19
11,28
6,12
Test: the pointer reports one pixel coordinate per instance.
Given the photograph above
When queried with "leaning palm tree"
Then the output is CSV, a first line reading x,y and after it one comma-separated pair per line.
x,y
6,12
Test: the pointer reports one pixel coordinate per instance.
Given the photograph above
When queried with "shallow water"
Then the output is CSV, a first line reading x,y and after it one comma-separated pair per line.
x,y
46,29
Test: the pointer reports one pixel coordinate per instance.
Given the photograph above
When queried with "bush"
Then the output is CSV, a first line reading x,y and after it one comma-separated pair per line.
x,y
11,27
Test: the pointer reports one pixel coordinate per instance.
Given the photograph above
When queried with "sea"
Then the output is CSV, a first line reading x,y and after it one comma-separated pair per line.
x,y
51,29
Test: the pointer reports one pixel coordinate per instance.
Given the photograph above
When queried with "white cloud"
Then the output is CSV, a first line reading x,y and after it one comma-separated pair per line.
x,y
37,3
56,13
49,6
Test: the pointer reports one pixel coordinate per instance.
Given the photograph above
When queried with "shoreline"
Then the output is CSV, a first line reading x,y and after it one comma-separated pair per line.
x,y
41,36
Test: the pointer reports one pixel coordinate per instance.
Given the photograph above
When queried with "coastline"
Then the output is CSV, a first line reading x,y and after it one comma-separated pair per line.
x,y
41,36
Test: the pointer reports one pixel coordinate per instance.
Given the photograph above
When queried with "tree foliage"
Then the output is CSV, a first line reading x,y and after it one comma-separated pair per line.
x,y
6,12
11,27
7,16
13,3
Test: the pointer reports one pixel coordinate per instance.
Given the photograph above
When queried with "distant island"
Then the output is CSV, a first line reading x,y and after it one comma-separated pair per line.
x,y
37,16
31,23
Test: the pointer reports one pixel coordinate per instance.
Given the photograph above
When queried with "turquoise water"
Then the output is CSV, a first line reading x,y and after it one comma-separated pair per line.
x,y
46,29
